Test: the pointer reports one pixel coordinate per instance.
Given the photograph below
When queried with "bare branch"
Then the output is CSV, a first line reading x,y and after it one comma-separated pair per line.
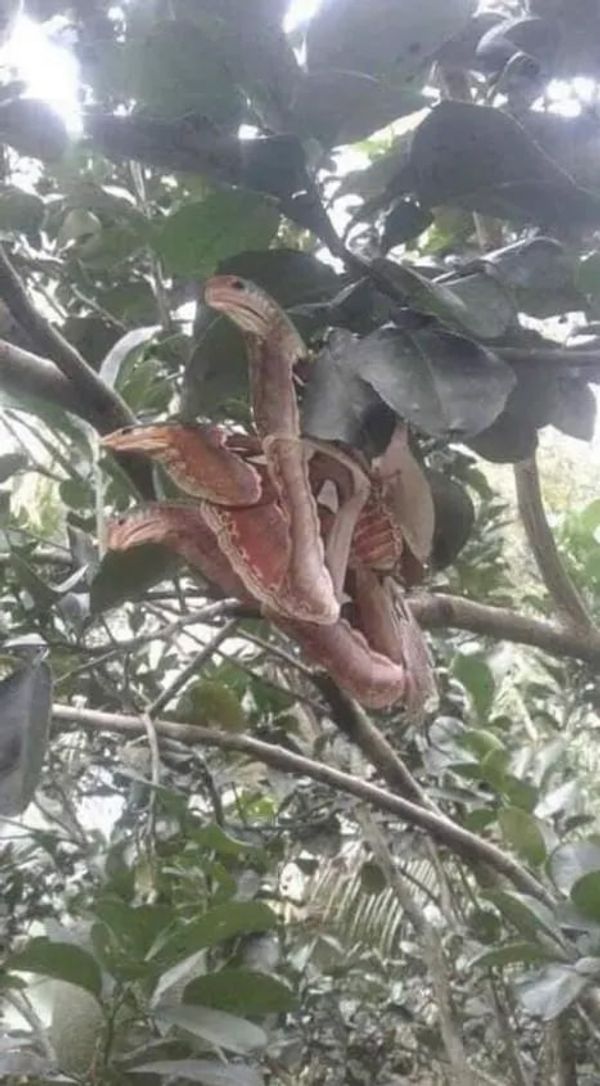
x,y
84,380
351,719
561,589
442,829
443,611
433,954
193,667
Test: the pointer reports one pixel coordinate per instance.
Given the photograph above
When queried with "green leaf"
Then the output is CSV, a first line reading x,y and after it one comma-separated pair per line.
x,y
454,518
476,676
202,1071
393,41
33,128
336,107
290,276
337,404
441,383
212,837
136,928
194,239
213,704
131,341
522,832
569,863
549,991
585,894
127,575
25,704
527,914
475,304
241,991
528,953
20,212
510,177
62,961
219,1028
372,878
179,68
218,924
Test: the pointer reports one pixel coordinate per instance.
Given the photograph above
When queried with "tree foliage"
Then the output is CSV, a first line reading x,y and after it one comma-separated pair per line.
x,y
216,867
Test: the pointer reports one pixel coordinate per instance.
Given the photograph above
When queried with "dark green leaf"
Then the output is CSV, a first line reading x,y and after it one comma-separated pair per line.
x,y
338,405
475,304
213,704
528,953
290,276
25,703
223,922
475,674
549,991
372,878
337,107
179,69
111,366
20,212
33,128
392,41
241,991
523,834
219,1028
440,382
405,221
62,961
509,176
194,239
454,518
136,928
527,914
585,894
127,575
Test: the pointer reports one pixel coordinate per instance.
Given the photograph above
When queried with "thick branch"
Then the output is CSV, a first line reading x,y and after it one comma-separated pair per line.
x,y
441,612
560,587
439,827
25,374
50,342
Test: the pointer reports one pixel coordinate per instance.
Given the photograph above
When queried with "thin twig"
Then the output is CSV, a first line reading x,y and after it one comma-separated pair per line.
x,y
354,723
441,828
192,668
433,954
561,589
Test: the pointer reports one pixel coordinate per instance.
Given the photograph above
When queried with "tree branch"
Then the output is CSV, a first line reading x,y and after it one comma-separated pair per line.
x,y
437,612
84,380
354,723
577,362
442,829
560,587
25,374
433,954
